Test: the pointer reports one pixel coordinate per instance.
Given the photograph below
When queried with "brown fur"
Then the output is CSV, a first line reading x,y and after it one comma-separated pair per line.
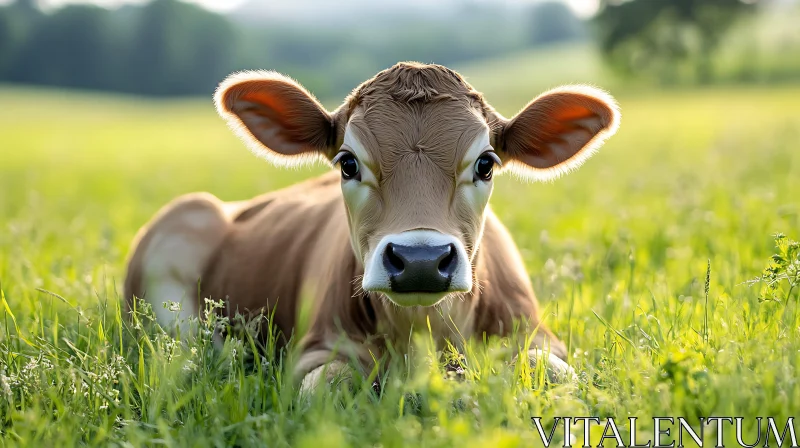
x,y
302,243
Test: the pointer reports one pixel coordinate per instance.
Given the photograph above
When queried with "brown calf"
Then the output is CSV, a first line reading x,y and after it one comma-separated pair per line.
x,y
401,234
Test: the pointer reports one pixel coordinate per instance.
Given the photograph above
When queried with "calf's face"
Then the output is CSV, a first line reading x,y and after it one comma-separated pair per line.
x,y
418,148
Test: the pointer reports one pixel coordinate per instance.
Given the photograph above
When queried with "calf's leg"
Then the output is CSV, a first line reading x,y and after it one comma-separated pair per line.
x,y
170,253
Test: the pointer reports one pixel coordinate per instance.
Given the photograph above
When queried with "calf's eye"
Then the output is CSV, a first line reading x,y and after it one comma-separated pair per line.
x,y
349,165
484,166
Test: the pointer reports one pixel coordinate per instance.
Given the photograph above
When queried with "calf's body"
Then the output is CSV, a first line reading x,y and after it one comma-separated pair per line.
x,y
400,237
271,252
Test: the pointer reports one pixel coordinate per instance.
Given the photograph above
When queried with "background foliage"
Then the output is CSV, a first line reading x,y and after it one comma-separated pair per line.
x,y
168,48
656,262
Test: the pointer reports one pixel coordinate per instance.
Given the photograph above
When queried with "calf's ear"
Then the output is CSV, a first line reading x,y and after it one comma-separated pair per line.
x,y
556,132
277,118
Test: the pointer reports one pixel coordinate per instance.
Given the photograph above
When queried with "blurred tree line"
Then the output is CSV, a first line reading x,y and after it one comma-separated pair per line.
x,y
167,47
164,47
681,41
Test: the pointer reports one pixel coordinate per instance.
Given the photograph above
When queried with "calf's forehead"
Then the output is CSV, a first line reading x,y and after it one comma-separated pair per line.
x,y
441,132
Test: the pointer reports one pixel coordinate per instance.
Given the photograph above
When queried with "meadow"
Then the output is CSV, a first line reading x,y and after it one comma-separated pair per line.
x,y
642,262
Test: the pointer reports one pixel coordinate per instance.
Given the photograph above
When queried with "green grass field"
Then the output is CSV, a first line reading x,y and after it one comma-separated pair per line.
x,y
617,251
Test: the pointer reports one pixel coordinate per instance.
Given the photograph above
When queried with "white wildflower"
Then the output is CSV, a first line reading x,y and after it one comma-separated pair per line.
x,y
173,306
5,384
189,366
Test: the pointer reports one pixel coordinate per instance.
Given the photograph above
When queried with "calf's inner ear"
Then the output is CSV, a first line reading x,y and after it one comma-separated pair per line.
x,y
278,119
559,130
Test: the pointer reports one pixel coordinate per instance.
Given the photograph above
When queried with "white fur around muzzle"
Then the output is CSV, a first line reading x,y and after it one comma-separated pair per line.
x,y
376,277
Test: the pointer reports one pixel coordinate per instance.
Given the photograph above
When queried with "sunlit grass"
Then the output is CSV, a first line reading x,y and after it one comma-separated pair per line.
x,y
618,253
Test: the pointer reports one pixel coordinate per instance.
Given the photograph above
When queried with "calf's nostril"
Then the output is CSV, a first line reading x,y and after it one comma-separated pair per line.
x,y
448,262
394,264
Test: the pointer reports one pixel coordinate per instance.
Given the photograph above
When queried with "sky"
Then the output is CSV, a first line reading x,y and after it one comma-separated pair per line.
x,y
583,8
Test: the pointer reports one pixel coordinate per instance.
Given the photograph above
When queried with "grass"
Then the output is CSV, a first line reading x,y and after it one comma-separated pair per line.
x,y
640,259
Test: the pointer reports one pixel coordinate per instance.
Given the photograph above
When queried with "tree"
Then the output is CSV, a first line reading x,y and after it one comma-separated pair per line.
x,y
659,36
16,22
68,48
178,48
8,41
553,22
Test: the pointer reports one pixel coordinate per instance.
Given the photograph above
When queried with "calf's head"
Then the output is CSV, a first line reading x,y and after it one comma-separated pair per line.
x,y
417,147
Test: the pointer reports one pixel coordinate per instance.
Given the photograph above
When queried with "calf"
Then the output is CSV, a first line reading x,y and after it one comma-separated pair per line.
x,y
400,234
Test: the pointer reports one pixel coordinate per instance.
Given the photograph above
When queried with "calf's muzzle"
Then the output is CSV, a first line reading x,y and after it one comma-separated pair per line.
x,y
420,268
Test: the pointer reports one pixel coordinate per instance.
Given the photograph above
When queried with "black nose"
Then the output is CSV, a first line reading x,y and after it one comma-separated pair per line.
x,y
420,268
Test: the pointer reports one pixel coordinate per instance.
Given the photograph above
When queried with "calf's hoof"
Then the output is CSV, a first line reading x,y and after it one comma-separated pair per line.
x,y
334,374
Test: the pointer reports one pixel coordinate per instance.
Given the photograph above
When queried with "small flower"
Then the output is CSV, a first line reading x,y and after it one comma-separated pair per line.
x,y
215,304
5,384
189,366
173,306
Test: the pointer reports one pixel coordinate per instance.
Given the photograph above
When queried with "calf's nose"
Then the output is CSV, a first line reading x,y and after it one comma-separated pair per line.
x,y
420,268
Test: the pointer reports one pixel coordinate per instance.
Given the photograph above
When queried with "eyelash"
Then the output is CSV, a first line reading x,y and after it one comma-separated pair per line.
x,y
343,159
492,157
